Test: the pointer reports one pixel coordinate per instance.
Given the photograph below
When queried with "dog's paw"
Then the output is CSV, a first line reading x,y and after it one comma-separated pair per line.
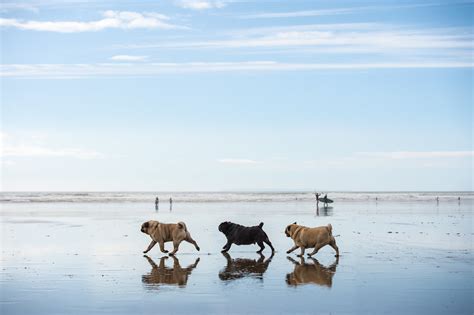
x,y
288,251
197,247
145,251
165,251
223,251
171,254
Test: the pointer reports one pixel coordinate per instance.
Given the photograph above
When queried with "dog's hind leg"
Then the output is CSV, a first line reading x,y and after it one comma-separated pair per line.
x,y
189,239
262,247
269,244
316,248
333,245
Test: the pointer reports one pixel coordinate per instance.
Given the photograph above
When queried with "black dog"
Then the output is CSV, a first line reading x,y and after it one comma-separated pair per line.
x,y
244,235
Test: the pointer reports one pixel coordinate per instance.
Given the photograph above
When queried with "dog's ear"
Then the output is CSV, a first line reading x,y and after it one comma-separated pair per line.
x,y
294,223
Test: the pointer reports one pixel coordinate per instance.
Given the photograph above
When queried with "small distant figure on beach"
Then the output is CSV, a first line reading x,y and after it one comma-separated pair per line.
x,y
317,202
157,203
459,200
437,199
171,203
317,196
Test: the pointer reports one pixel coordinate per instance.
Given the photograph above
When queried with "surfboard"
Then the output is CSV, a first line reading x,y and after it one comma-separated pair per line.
x,y
326,200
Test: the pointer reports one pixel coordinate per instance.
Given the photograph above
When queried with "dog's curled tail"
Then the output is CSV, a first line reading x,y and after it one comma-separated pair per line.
x,y
260,225
181,225
329,227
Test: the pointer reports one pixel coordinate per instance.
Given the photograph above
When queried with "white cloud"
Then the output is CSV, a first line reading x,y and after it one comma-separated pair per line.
x,y
11,147
350,10
399,155
110,20
5,7
35,151
238,161
64,71
128,58
344,37
200,4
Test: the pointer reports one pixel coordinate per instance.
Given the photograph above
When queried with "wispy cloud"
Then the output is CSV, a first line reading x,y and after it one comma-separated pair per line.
x,y
12,6
238,161
128,58
11,147
350,10
200,4
372,39
399,155
154,69
110,20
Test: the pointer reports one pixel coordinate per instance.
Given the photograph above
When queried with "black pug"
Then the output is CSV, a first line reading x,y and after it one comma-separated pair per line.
x,y
244,235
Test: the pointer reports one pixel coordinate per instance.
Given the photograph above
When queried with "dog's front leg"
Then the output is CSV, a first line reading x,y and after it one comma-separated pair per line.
x,y
150,246
302,252
175,247
162,247
226,246
292,249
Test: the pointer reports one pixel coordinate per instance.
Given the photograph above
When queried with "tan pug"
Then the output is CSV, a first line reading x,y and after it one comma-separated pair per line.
x,y
305,237
167,232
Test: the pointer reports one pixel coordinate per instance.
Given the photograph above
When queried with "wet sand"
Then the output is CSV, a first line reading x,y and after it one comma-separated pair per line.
x,y
86,258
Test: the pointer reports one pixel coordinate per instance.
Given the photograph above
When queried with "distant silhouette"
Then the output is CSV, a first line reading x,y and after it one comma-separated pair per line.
x,y
157,203
312,273
162,275
171,203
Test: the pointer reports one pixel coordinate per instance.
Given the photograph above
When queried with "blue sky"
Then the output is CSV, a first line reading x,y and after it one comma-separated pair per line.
x,y
236,95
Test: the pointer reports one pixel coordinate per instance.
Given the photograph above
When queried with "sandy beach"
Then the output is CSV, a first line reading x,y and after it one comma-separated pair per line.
x,y
397,257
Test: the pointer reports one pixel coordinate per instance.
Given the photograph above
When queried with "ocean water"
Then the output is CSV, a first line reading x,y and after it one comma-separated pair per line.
x,y
81,253
20,197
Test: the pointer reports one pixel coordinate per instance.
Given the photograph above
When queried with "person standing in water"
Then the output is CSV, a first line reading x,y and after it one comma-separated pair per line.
x,y
157,202
171,203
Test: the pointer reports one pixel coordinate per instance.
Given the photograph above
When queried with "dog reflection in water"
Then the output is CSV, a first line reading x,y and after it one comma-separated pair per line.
x,y
244,267
311,273
163,275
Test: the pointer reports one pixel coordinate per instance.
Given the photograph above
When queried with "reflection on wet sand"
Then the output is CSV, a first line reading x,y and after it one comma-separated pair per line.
x,y
161,274
244,267
324,211
311,273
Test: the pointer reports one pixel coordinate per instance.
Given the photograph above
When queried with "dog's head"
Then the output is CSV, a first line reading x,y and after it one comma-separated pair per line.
x,y
148,226
290,229
224,227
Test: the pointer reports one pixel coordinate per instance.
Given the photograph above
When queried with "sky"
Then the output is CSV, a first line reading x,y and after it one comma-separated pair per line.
x,y
237,95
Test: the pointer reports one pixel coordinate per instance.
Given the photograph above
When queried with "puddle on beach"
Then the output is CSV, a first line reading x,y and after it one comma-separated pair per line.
x,y
87,258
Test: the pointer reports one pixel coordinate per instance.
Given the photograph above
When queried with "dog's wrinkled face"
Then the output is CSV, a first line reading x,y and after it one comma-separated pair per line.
x,y
289,229
145,227
224,226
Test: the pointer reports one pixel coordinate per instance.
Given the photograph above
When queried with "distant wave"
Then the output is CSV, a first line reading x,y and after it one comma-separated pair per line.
x,y
105,197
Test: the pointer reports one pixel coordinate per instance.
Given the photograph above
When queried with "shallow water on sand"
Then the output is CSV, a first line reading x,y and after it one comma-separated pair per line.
x,y
396,257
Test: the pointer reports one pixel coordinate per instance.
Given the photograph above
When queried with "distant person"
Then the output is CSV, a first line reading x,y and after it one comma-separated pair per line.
x,y
157,201
437,199
171,203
